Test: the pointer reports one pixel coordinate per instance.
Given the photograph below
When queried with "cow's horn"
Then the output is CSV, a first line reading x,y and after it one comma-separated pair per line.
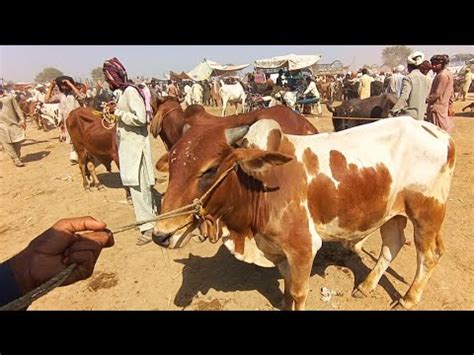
x,y
232,135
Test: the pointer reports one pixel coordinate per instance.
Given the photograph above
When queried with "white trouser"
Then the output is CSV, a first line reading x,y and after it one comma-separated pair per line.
x,y
142,198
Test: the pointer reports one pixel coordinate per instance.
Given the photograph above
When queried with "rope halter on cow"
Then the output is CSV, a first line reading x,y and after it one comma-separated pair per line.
x,y
195,208
108,119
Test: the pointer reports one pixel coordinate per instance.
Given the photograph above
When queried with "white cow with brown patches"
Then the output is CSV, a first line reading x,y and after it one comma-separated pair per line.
x,y
282,196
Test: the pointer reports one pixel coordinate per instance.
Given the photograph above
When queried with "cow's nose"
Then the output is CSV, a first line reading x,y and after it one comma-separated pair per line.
x,y
162,239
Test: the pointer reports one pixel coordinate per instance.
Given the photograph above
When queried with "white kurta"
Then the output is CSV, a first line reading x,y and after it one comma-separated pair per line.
x,y
132,138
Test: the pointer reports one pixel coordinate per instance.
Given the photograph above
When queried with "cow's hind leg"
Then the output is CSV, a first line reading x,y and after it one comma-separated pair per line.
x,y
430,248
82,166
393,238
95,180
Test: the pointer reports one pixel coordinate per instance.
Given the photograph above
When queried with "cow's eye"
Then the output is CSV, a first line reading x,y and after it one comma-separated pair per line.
x,y
209,172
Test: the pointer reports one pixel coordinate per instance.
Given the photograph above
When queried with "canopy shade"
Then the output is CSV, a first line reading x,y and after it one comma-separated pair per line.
x,y
290,62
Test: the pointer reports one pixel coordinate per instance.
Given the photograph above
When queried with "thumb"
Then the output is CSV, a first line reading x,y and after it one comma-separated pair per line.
x,y
81,224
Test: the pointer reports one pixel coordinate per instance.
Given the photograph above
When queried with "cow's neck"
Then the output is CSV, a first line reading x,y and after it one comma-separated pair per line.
x,y
248,210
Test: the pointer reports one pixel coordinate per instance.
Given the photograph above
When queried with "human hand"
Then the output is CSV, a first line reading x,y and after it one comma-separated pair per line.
x,y
112,106
59,247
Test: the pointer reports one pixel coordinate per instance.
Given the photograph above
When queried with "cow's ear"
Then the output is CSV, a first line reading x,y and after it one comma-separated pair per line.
x,y
255,161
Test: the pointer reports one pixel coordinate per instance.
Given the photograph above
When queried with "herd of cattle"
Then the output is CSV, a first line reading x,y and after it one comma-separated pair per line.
x,y
275,188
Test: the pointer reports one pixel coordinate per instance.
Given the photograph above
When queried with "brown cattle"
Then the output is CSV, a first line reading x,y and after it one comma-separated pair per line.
x,y
170,120
282,196
92,141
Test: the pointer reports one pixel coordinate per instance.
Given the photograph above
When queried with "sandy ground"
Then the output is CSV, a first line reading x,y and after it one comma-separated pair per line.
x,y
205,276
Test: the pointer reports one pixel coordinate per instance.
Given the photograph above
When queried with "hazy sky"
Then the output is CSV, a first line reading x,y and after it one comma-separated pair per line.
x,y
23,63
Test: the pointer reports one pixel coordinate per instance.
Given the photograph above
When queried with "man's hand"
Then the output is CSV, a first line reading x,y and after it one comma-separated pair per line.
x,y
22,125
112,106
58,247
53,83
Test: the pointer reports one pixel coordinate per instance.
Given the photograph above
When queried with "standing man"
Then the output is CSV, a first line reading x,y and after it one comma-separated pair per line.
x,y
197,93
364,84
441,94
466,83
12,127
69,98
188,92
206,92
136,166
396,80
172,89
415,89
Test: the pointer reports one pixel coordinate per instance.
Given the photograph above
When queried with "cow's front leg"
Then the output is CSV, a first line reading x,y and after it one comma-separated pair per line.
x,y
284,269
300,264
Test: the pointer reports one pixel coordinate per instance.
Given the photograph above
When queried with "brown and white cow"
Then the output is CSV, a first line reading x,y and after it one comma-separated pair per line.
x,y
283,195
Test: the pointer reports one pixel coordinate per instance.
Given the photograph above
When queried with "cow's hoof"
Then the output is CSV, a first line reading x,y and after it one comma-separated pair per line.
x,y
357,293
101,187
87,189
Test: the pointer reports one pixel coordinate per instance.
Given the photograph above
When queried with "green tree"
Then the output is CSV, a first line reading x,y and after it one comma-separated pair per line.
x,y
462,57
395,55
48,74
97,74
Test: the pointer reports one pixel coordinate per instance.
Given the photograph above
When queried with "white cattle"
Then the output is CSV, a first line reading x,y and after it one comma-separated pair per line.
x,y
49,112
234,94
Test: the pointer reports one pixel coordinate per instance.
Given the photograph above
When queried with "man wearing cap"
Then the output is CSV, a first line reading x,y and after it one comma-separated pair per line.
x,y
396,80
466,84
70,98
415,90
441,94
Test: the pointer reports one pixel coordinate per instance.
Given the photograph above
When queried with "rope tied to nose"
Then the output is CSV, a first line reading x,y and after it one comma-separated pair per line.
x,y
195,208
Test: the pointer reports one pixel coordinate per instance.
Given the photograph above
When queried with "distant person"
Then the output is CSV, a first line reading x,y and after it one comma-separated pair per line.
x,y
12,127
415,89
396,80
196,93
466,84
442,93
312,95
70,98
364,84
172,89
206,93
188,93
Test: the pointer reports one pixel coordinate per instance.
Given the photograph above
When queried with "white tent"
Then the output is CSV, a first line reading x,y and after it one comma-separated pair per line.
x,y
208,68
290,62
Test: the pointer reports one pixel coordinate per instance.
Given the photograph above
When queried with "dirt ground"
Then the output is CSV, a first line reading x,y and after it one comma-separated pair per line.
x,y
206,276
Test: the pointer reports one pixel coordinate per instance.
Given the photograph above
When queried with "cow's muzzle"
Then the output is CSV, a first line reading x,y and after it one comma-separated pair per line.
x,y
162,239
